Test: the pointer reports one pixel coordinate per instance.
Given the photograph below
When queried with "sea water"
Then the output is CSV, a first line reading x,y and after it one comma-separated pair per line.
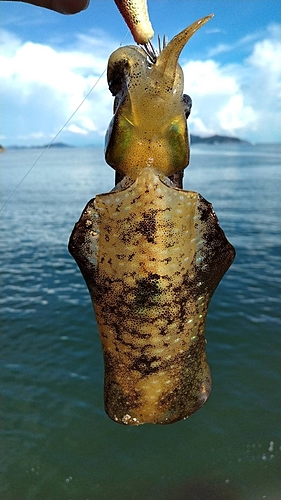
x,y
57,442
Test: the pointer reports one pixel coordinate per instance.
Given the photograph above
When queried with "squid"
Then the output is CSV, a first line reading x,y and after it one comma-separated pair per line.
x,y
151,253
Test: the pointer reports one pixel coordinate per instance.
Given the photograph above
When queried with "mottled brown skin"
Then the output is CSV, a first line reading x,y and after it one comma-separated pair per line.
x,y
152,256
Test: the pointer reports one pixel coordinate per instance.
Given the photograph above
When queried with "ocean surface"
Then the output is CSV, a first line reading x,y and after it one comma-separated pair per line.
x,y
56,441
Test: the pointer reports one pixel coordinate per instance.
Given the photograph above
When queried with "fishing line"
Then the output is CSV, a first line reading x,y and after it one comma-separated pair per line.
x,y
57,134
52,141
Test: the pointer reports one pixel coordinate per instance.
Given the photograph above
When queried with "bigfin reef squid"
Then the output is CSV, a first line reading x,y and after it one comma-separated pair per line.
x,y
151,253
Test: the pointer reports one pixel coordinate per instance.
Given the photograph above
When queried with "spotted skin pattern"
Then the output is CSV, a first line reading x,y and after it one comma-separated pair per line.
x,y
135,14
152,256
151,253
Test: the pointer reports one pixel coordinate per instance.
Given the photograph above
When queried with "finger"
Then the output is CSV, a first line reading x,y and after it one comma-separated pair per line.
x,y
62,6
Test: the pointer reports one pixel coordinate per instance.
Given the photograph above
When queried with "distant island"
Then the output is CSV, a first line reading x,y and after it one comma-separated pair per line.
x,y
216,139
53,145
194,139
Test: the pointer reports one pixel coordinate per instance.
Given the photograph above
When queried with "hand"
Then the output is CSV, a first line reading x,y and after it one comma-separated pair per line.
x,y
134,13
62,6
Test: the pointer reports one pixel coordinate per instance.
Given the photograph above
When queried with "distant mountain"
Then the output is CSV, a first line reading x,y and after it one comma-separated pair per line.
x,y
53,145
216,139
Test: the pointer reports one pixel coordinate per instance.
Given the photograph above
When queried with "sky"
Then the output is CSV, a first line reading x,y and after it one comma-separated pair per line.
x,y
50,62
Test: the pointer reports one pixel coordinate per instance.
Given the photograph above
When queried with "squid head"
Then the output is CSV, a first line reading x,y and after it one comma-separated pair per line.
x,y
149,124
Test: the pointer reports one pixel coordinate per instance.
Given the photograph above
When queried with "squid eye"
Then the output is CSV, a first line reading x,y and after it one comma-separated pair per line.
x,y
188,104
115,84
117,74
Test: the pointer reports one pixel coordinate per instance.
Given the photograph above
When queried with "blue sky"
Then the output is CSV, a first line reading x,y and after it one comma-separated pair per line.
x,y
49,62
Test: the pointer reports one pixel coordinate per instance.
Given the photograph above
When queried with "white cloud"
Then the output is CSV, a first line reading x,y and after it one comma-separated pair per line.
x,y
266,52
235,115
226,47
238,99
42,85
207,78
77,130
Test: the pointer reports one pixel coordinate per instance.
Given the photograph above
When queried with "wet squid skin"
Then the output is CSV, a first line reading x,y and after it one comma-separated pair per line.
x,y
151,253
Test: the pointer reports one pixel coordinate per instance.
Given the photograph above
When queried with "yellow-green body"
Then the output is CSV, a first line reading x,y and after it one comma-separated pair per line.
x,y
152,256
